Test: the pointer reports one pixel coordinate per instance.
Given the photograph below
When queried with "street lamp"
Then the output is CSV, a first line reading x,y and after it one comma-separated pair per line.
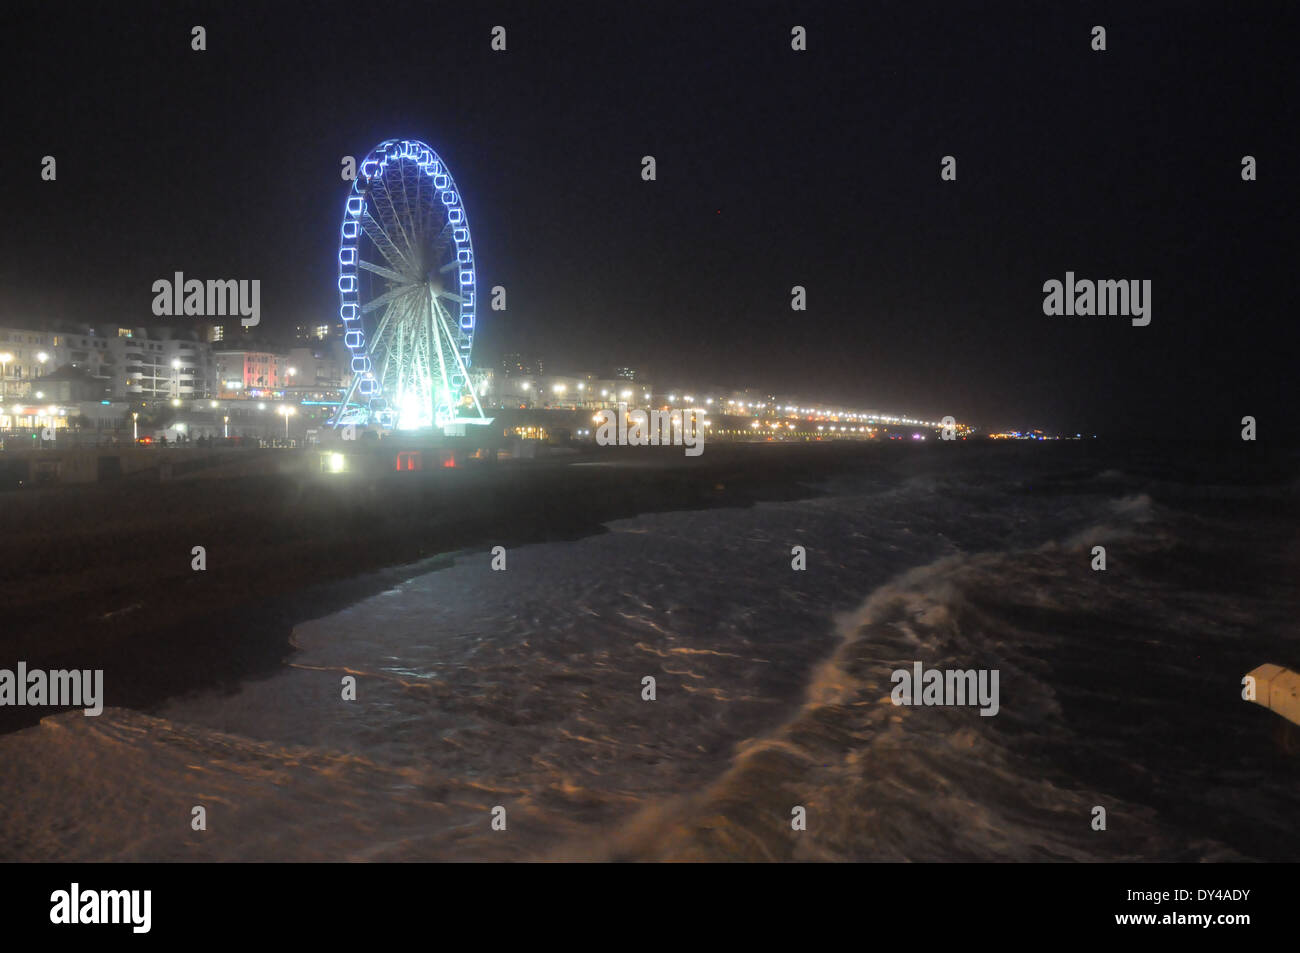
x,y
287,411
135,426
227,420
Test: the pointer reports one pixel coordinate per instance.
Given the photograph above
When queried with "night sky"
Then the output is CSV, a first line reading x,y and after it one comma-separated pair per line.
x,y
775,168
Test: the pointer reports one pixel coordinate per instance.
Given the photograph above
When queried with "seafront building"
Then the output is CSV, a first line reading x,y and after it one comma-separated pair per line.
x,y
25,357
63,374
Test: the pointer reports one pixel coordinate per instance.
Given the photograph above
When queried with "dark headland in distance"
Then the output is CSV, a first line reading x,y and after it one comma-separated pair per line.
x,y
99,576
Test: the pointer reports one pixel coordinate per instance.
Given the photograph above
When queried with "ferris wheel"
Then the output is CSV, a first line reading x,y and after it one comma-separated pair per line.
x,y
406,286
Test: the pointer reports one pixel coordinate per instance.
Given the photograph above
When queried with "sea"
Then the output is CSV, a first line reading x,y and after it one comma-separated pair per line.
x,y
675,688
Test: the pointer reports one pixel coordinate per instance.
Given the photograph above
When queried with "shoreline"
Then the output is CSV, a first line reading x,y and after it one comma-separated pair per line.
x,y
283,550
99,576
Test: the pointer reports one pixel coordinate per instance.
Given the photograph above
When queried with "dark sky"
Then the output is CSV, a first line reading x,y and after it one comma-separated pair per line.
x,y
775,168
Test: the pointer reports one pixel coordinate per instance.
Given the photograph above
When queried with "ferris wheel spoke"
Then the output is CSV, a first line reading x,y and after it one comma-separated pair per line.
x,y
388,296
449,336
393,344
401,212
414,210
394,255
426,207
450,328
394,245
393,226
382,271
401,315
437,315
379,333
388,354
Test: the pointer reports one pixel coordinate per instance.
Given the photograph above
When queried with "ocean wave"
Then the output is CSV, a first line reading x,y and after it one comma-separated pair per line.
x,y
885,782
523,689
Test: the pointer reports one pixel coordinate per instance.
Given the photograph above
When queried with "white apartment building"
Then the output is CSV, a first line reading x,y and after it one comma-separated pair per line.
x,y
130,362
25,357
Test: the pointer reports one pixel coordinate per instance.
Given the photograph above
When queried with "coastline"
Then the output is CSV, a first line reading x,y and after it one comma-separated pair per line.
x,y
282,550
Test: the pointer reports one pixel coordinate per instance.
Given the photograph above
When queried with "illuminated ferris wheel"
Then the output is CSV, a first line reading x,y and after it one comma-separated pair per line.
x,y
406,283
